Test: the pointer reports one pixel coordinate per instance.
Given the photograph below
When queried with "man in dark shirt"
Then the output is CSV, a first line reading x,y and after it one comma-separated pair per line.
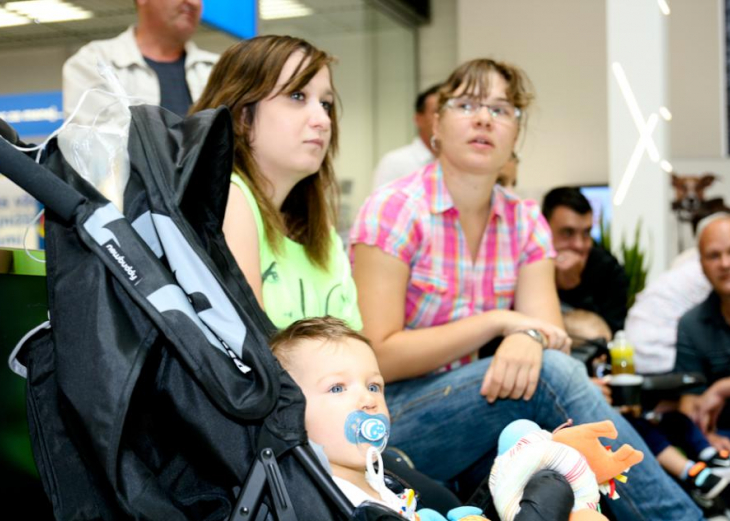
x,y
592,285
703,337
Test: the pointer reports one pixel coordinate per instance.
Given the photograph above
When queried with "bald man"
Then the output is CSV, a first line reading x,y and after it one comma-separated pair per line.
x,y
703,337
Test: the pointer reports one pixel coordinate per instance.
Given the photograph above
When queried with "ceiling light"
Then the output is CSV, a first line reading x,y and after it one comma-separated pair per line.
x,y
8,19
664,7
664,112
667,166
278,9
48,11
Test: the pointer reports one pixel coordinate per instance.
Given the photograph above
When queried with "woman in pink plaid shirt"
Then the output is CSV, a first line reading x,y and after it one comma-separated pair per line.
x,y
446,261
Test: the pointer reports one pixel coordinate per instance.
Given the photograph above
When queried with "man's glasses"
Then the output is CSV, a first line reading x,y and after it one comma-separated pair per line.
x,y
500,112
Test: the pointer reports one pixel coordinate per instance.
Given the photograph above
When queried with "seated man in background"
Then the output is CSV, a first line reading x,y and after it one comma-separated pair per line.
x,y
405,160
592,285
703,338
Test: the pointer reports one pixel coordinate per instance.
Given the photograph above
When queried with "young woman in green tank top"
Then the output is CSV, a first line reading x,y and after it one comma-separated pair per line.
x,y
280,214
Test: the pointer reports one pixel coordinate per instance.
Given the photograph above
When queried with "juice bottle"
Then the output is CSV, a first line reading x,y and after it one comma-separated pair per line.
x,y
622,354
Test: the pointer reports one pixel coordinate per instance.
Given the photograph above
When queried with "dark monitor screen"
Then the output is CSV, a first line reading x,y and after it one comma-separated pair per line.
x,y
599,196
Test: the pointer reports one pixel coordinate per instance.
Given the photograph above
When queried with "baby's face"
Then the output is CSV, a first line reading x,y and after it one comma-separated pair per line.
x,y
337,378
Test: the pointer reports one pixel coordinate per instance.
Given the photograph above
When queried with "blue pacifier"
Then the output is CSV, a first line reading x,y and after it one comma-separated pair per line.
x,y
370,429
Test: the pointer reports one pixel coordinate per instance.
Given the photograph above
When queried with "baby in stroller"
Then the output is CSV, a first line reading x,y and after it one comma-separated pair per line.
x,y
346,412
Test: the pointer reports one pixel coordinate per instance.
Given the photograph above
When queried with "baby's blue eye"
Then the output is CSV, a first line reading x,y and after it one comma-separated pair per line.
x,y
337,388
375,388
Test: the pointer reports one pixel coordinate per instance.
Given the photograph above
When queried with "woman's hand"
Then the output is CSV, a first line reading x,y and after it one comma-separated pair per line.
x,y
556,336
515,369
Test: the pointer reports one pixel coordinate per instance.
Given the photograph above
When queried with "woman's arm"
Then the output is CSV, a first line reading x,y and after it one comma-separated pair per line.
x,y
515,370
536,296
242,237
382,281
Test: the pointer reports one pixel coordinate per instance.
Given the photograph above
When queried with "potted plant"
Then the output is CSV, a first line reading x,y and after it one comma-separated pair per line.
x,y
634,259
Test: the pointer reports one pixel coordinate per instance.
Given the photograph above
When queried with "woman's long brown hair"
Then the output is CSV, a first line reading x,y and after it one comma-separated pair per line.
x,y
247,73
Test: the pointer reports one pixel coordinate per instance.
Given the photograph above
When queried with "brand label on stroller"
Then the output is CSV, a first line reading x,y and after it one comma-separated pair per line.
x,y
116,254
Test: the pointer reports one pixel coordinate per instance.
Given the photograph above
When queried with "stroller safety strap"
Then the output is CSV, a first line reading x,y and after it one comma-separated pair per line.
x,y
15,365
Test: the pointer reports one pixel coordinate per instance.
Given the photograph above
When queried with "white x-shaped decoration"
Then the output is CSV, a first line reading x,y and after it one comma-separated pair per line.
x,y
646,129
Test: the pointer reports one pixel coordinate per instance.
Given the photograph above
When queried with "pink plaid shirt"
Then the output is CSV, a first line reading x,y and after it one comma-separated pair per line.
x,y
414,219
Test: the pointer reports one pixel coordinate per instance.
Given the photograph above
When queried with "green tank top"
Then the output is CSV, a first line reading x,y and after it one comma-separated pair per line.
x,y
293,287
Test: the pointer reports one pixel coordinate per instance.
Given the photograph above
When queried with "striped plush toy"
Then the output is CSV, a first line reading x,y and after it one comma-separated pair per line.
x,y
574,452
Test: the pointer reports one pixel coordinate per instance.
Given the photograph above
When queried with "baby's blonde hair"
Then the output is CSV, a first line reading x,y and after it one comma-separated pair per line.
x,y
325,328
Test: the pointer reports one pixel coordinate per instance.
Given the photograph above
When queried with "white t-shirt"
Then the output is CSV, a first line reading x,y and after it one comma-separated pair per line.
x,y
404,504
387,498
402,161
651,325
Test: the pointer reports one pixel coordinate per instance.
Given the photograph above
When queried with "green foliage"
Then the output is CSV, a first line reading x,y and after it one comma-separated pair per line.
x,y
635,260
635,265
605,229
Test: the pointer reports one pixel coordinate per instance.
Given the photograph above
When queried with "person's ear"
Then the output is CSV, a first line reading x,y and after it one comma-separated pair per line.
x,y
435,128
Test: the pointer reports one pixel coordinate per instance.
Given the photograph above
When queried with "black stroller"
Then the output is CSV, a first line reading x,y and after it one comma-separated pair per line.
x,y
154,395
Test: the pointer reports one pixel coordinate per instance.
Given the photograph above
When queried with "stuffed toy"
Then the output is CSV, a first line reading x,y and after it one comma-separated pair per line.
x,y
574,452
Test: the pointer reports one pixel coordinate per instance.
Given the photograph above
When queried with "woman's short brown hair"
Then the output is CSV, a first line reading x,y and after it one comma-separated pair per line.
x,y
473,76
245,74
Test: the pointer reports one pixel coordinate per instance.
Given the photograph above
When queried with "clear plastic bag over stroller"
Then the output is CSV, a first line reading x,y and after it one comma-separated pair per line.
x,y
98,152
154,394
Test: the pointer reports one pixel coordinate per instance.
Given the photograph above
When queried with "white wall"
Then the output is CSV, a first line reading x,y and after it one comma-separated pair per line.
x,y
31,70
562,48
696,79
697,99
357,119
437,54
637,88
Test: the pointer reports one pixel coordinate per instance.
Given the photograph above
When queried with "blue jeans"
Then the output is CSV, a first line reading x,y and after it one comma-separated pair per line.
x,y
445,425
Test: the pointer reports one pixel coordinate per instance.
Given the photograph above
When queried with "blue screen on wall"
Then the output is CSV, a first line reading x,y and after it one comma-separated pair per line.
x,y
235,17
600,198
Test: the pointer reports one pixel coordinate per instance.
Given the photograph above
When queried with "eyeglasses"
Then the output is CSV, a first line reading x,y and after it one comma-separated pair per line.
x,y
500,112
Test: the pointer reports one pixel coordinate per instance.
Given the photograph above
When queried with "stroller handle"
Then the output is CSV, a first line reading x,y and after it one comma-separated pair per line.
x,y
38,181
10,134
